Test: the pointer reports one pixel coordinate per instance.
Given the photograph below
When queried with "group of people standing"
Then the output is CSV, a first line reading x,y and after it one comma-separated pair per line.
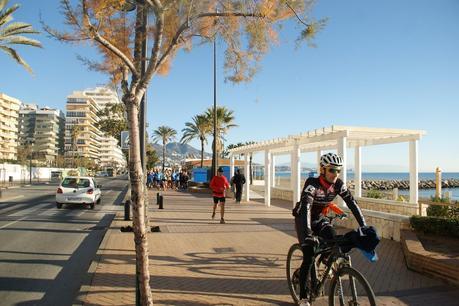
x,y
169,179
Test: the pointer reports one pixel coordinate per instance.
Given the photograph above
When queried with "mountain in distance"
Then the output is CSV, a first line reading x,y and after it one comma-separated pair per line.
x,y
177,152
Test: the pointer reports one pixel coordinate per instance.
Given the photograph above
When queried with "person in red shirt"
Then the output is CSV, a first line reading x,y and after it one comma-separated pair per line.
x,y
219,184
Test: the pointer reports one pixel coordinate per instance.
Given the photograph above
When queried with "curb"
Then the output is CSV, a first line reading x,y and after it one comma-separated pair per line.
x,y
80,298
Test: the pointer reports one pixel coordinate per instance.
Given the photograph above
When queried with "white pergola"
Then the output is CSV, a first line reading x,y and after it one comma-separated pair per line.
x,y
337,138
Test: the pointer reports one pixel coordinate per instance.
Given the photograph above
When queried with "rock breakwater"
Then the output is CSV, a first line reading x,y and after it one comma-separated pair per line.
x,y
403,184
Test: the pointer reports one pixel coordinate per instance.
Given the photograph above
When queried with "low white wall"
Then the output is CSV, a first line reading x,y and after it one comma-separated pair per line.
x,y
389,217
22,173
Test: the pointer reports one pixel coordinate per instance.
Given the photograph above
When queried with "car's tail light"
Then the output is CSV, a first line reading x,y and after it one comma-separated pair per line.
x,y
90,191
59,190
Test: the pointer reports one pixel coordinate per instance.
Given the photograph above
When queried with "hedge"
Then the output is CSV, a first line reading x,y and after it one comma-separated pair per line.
x,y
436,225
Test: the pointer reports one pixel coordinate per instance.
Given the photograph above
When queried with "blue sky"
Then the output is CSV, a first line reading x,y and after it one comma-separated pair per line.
x,y
391,64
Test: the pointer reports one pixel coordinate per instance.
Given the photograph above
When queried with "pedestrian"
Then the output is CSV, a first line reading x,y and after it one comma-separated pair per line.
x,y
238,181
219,184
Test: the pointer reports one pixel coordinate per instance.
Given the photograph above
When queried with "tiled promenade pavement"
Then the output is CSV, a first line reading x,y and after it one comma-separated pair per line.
x,y
197,261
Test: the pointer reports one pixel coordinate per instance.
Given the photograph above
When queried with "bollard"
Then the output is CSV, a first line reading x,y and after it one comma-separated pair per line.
x,y
157,198
127,210
161,202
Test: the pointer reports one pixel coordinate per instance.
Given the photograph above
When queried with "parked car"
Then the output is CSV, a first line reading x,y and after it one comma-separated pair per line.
x,y
78,190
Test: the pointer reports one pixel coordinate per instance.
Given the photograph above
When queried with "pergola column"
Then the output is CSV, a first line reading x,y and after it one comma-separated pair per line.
x,y
357,171
319,154
296,173
247,177
413,152
273,170
267,176
342,151
231,166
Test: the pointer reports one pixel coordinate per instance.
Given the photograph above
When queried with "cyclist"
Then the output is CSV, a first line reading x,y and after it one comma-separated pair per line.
x,y
317,194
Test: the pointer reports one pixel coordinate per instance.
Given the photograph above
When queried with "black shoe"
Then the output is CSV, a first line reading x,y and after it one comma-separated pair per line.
x,y
222,221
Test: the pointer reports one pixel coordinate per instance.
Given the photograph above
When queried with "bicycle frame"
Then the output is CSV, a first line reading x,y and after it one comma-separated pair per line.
x,y
336,256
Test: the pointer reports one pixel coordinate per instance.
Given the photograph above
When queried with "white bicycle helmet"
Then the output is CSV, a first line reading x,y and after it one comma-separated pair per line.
x,y
331,159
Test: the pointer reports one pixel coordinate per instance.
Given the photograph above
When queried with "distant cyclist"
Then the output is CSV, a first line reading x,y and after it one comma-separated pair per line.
x,y
310,221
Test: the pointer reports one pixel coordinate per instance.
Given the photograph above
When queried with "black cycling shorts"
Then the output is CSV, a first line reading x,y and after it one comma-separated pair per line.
x,y
219,199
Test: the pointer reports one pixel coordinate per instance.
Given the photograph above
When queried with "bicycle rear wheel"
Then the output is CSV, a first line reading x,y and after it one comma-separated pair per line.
x,y
350,288
294,260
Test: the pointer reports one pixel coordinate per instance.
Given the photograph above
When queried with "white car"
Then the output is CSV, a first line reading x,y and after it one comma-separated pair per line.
x,y
78,190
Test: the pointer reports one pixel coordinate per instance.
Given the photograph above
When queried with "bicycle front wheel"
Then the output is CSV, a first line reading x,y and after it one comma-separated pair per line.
x,y
350,288
294,260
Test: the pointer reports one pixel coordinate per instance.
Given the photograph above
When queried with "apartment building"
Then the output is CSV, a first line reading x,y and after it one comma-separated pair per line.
x,y
9,114
26,124
82,137
102,96
111,155
43,129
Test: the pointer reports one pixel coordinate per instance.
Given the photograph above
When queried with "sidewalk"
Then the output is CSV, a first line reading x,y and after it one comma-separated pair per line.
x,y
197,261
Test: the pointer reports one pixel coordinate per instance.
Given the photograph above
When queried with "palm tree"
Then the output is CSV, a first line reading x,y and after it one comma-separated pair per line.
x,y
10,34
225,119
199,128
75,132
165,134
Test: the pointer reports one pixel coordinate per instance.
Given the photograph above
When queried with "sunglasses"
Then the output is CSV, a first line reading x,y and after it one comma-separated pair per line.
x,y
333,170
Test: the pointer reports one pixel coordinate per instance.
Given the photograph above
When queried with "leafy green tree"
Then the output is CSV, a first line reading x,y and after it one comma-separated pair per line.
x,y
11,34
199,128
165,134
113,120
24,153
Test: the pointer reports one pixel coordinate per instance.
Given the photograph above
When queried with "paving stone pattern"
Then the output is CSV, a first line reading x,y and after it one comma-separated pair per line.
x,y
194,260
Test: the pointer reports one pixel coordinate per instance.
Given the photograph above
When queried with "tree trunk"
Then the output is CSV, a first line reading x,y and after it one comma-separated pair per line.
x,y
138,205
202,153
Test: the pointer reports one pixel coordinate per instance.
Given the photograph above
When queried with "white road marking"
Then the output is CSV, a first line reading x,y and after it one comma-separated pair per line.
x,y
29,210
11,223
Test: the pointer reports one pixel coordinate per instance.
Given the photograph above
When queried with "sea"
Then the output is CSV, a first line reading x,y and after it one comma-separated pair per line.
x,y
423,193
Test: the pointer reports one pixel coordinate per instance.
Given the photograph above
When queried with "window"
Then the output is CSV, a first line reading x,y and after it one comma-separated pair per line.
x,y
72,182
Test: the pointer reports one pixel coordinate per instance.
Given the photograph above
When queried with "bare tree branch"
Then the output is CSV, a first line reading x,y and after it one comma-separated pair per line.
x,y
298,17
152,65
186,25
99,38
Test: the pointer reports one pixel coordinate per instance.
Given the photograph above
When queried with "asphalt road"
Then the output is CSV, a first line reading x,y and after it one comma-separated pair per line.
x,y
45,252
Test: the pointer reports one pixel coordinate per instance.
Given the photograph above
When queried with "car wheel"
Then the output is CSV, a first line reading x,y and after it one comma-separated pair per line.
x,y
91,205
59,205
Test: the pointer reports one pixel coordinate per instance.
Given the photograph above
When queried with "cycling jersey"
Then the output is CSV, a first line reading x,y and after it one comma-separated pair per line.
x,y
316,195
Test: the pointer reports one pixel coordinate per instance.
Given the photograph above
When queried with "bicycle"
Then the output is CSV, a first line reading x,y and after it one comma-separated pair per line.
x,y
331,270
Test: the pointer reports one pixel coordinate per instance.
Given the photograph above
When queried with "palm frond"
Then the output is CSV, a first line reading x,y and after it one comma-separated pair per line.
x,y
5,15
21,40
14,54
16,28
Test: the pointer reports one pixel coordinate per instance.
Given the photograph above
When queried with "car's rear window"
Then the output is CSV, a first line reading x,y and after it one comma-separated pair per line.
x,y
71,182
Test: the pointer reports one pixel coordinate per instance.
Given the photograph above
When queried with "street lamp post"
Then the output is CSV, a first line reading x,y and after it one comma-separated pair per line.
x,y
214,144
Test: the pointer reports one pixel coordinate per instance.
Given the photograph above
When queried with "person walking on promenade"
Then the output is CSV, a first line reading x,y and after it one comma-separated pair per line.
x,y
238,180
219,184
